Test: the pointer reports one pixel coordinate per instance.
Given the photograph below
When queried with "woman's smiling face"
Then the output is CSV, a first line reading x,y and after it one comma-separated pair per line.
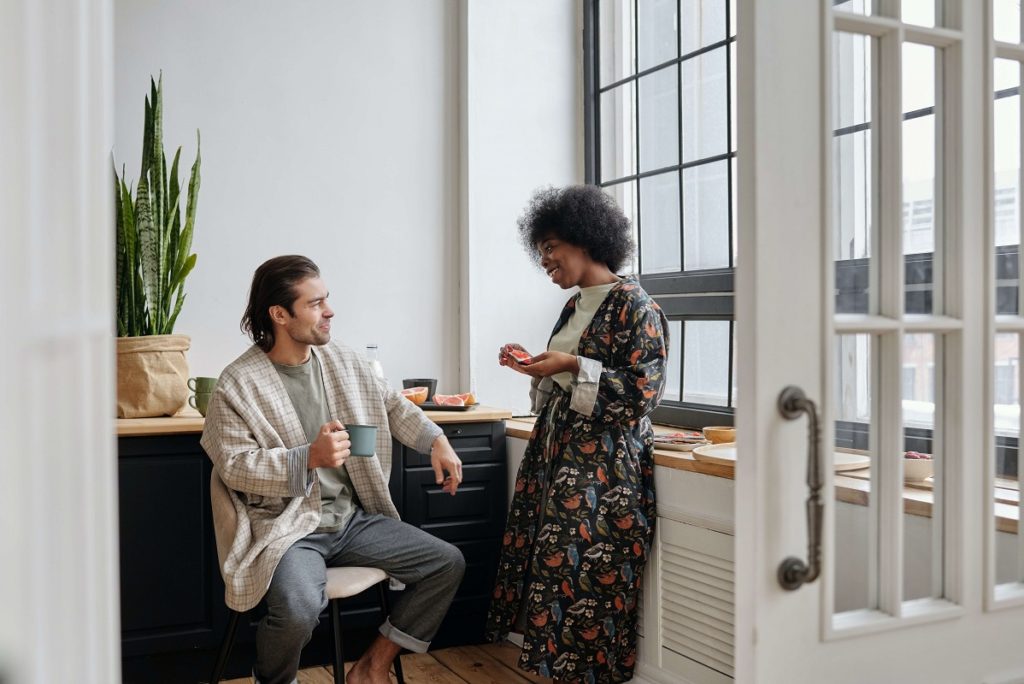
x,y
564,263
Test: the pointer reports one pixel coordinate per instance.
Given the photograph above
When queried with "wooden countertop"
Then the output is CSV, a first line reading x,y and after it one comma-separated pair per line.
x,y
850,486
192,423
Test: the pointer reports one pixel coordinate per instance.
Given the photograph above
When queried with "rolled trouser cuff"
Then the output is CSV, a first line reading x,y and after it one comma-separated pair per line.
x,y
397,636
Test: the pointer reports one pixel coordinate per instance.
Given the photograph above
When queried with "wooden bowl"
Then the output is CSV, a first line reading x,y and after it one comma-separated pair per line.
x,y
720,434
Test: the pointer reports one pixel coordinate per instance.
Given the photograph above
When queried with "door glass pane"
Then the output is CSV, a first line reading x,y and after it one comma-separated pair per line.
x,y
1006,138
922,528
656,29
921,12
706,359
702,23
659,119
919,201
704,105
735,384
1006,408
1006,24
616,40
674,368
625,197
853,193
706,216
852,6
856,518
618,133
659,223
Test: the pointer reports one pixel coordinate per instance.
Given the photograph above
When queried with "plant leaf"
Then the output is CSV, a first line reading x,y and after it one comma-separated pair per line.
x,y
185,244
149,244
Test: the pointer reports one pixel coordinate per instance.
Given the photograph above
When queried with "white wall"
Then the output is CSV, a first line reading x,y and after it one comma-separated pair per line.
x,y
522,129
329,129
393,142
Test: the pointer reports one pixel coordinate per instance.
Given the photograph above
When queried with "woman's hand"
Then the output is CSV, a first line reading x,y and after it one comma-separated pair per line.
x,y
550,363
505,358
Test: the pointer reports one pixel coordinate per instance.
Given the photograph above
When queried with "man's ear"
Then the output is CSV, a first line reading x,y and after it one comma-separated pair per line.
x,y
278,314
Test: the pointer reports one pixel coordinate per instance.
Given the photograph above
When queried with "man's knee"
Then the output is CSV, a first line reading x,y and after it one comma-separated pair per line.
x,y
453,562
297,608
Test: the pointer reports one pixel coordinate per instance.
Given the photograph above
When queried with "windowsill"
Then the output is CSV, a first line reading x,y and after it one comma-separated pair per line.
x,y
852,486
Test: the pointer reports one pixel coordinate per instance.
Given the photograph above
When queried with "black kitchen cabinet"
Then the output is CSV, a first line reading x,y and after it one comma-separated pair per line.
x,y
172,596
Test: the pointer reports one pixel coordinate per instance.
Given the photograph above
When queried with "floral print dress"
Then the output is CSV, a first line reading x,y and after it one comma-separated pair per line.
x,y
581,521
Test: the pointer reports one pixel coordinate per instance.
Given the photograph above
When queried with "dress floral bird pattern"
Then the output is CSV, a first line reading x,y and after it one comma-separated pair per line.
x,y
581,522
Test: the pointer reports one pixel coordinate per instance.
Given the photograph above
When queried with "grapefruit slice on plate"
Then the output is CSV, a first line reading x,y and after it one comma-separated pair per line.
x,y
416,395
449,400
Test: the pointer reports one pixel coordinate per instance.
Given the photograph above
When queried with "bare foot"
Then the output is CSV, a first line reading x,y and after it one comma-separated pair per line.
x,y
361,673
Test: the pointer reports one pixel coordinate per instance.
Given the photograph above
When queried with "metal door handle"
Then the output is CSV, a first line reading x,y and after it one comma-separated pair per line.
x,y
793,572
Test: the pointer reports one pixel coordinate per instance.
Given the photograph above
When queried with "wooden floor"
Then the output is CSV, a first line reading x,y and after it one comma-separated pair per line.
x,y
488,664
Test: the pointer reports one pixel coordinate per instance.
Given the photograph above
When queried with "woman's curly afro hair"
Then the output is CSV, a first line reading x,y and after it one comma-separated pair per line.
x,y
582,215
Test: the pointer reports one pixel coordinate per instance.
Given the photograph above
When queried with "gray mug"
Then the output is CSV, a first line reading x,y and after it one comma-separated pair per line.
x,y
363,438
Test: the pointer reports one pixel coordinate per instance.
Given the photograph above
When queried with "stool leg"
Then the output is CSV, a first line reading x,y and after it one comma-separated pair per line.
x,y
225,648
339,658
386,609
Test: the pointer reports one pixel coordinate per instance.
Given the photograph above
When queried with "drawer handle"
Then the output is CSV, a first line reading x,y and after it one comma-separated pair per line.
x,y
457,431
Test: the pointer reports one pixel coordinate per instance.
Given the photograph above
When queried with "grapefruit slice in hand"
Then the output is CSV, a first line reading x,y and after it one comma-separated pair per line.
x,y
520,356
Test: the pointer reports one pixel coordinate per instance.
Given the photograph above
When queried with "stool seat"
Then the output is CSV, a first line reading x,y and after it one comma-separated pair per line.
x,y
349,581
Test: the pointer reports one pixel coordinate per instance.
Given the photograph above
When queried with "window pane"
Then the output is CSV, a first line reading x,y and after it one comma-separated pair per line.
x,y
625,197
1006,138
659,223
920,12
922,534
735,211
706,362
706,216
704,106
659,119
703,23
616,40
856,513
853,192
1007,20
618,133
852,6
919,201
656,28
852,78
1006,408
673,370
732,96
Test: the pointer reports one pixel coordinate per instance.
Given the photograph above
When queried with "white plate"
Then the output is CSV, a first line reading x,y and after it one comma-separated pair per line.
x,y
725,454
678,446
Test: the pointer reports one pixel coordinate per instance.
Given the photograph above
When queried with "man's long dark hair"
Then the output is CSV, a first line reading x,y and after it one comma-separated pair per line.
x,y
273,284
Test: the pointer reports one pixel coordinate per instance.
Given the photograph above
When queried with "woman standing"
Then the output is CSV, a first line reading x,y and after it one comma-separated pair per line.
x,y
582,517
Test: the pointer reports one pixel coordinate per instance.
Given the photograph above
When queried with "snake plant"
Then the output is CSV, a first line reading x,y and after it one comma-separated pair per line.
x,y
153,246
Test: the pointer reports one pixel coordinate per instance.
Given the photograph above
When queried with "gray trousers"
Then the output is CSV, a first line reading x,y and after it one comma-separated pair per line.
x,y
430,568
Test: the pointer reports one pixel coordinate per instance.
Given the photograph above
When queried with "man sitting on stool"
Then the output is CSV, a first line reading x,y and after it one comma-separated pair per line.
x,y
275,433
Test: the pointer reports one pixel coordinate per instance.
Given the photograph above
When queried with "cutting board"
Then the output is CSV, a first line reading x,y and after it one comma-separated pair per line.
x,y
725,454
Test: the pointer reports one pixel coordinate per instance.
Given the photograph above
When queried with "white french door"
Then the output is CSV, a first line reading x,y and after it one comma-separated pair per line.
x,y
872,275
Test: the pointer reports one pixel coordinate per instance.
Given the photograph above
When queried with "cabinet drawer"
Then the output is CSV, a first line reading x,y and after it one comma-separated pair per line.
x,y
473,442
477,511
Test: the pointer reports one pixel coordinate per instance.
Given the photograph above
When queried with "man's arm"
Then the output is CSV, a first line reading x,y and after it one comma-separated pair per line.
x,y
413,429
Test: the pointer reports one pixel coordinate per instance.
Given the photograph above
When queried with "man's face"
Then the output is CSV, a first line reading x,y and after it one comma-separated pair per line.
x,y
311,322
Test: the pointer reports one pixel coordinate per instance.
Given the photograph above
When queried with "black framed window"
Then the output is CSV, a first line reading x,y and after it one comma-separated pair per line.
x,y
661,139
